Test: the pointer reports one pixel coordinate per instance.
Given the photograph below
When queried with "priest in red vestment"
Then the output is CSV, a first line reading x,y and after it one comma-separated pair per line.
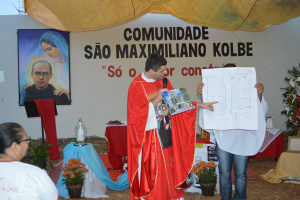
x,y
160,147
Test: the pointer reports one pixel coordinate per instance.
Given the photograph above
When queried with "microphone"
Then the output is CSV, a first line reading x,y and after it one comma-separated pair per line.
x,y
165,82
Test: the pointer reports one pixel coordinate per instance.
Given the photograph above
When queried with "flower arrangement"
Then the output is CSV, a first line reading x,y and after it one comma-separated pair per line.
x,y
206,171
291,99
74,171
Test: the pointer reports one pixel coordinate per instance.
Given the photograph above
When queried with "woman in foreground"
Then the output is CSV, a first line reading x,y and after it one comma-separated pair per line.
x,y
21,180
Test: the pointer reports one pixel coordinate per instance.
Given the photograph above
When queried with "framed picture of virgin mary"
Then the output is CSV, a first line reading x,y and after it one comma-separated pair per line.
x,y
44,65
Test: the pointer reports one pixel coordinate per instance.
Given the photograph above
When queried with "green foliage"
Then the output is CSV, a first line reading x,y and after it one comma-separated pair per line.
x,y
294,72
209,174
292,132
206,171
292,101
39,154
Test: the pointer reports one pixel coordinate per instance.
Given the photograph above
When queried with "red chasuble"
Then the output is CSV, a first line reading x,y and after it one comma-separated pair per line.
x,y
163,170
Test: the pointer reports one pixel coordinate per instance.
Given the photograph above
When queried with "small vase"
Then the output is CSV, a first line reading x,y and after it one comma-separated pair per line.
x,y
208,187
74,190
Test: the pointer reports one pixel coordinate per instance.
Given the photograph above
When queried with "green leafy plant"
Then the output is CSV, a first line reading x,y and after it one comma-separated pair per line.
x,y
74,171
38,154
206,171
291,99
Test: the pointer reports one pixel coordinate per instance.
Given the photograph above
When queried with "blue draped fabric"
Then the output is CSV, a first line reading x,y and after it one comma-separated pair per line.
x,y
92,159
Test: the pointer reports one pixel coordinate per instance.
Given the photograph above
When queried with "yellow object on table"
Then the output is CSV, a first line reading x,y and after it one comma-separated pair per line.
x,y
204,134
287,166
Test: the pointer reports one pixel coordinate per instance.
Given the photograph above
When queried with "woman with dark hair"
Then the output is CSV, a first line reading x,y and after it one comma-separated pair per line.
x,y
21,180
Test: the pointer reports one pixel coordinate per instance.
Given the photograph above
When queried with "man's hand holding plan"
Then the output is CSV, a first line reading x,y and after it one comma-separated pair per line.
x,y
234,89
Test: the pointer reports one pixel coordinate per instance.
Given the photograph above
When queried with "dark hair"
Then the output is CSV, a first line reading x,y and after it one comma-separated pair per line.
x,y
230,65
154,62
48,41
10,132
43,62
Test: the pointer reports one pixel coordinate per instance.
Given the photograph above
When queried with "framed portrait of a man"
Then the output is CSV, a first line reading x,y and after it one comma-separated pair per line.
x,y
44,65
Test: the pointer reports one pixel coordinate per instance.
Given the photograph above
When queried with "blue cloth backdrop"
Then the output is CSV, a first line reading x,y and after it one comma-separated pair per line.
x,y
92,159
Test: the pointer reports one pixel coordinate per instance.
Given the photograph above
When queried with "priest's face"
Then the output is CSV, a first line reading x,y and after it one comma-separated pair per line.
x,y
159,74
41,75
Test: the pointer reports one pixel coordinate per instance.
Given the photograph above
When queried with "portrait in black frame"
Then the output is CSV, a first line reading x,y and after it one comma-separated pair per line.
x,y
44,65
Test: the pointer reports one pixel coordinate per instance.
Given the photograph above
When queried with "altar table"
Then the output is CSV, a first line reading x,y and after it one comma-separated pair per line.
x,y
116,136
97,179
272,146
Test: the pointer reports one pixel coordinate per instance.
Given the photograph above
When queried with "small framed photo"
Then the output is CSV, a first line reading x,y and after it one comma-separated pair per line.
x,y
294,143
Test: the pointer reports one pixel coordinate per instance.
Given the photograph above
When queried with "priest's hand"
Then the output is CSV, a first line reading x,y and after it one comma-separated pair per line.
x,y
27,86
158,98
260,90
59,92
208,106
200,88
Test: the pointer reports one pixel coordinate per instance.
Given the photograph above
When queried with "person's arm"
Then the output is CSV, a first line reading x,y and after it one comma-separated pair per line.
x,y
200,88
208,105
27,86
264,105
46,188
158,98
152,122
260,90
62,100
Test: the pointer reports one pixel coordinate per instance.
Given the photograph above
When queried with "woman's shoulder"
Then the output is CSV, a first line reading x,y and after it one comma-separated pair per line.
x,y
22,169
23,166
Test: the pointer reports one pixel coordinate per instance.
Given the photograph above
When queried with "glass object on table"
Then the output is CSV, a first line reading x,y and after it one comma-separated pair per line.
x,y
269,122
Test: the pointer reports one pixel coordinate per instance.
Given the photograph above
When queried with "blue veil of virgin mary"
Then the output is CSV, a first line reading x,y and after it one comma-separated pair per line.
x,y
55,39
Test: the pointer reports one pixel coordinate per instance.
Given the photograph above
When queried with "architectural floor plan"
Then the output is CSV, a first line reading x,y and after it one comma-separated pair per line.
x,y
234,89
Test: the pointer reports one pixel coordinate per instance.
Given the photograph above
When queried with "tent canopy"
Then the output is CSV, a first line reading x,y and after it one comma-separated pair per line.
x,y
89,15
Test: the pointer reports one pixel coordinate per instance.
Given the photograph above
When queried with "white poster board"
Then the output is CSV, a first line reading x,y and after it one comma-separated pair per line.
x,y
234,90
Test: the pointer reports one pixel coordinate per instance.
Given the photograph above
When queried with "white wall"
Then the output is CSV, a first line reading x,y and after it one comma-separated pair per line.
x,y
98,98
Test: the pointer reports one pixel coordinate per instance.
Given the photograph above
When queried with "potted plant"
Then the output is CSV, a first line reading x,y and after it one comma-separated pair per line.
x,y
206,172
74,176
38,154
291,100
